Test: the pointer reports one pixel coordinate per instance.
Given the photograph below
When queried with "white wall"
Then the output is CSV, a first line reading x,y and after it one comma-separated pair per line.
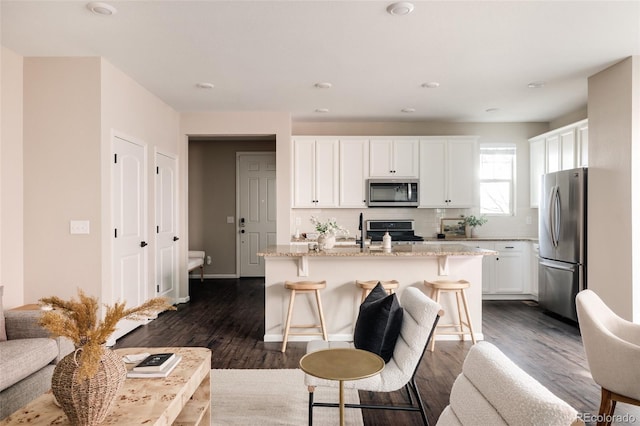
x,y
427,219
614,187
61,176
11,180
71,108
129,109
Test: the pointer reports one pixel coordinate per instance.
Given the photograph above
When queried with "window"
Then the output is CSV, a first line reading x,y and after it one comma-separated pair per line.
x,y
497,175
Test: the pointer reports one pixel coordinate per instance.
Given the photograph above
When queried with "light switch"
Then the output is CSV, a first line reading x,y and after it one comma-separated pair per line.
x,y
230,219
79,227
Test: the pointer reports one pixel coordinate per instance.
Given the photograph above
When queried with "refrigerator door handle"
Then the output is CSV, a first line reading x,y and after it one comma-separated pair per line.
x,y
557,211
556,266
553,216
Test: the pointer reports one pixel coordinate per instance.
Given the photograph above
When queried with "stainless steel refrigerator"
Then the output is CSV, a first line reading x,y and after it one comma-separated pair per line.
x,y
562,226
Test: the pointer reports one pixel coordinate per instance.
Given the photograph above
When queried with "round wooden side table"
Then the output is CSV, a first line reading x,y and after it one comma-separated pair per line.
x,y
341,365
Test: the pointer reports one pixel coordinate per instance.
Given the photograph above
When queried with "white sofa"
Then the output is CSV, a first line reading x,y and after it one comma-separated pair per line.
x,y
492,390
196,260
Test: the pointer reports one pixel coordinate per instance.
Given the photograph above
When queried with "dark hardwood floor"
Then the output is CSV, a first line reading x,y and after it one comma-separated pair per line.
x,y
227,317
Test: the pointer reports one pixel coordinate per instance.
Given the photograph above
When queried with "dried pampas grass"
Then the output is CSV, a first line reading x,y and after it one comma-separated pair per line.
x,y
78,321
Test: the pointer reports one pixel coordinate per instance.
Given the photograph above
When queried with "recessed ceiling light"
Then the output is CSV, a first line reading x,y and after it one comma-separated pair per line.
x,y
536,84
408,110
431,85
101,8
205,85
323,85
492,110
400,8
322,110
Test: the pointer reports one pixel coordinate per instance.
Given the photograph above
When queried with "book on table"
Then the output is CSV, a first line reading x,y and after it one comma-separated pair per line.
x,y
154,362
167,368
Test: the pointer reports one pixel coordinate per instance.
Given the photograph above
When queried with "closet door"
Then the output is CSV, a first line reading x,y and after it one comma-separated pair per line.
x,y
167,239
129,274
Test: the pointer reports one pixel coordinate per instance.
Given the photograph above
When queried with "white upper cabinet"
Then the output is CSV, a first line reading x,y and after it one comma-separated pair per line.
x,y
582,143
560,149
315,164
354,171
448,169
393,158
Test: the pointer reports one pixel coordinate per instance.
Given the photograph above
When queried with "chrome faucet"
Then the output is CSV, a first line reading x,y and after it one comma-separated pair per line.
x,y
361,229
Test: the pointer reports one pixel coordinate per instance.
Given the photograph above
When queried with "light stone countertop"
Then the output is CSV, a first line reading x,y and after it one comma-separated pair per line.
x,y
408,250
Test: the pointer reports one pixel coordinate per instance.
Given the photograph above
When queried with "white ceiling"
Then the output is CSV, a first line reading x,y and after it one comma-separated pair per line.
x,y
267,55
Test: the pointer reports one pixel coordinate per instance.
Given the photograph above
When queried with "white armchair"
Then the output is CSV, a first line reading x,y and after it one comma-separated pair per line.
x,y
421,314
612,345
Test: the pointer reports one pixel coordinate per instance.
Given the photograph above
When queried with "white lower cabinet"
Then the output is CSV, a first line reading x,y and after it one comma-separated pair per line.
x,y
507,274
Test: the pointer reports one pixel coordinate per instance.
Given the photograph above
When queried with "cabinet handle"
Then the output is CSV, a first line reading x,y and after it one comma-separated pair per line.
x,y
509,247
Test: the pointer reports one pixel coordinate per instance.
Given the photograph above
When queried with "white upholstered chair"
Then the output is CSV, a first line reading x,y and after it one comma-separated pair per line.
x,y
421,314
612,345
493,390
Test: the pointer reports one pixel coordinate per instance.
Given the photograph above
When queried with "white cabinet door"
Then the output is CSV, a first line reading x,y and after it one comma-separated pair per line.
x,y
405,158
553,154
315,179
582,134
511,268
381,158
488,268
568,149
354,170
433,173
448,172
393,158
537,156
462,164
326,173
304,159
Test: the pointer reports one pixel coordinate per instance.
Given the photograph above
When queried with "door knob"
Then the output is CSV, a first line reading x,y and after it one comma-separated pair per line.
x,y
176,238
143,244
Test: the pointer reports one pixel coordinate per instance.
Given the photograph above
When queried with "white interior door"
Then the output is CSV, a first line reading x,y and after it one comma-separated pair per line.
x,y
129,282
166,227
257,209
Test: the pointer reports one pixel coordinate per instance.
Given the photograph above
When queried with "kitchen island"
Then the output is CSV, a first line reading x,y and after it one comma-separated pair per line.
x,y
340,267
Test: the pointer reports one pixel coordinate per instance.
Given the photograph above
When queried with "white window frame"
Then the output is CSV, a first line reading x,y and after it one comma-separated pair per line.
x,y
512,181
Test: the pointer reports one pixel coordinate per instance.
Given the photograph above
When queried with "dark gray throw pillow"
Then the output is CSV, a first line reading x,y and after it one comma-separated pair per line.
x,y
379,323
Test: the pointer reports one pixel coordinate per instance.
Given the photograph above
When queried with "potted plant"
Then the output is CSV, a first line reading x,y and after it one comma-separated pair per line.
x,y
86,381
327,231
470,222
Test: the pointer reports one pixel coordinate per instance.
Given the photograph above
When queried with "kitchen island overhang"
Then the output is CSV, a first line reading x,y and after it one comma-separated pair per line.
x,y
340,267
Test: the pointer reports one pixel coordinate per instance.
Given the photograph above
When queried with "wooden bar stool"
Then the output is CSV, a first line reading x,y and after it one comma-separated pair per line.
x,y
367,286
457,287
304,287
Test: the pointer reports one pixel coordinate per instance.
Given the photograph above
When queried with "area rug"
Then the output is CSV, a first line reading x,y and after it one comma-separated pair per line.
x,y
273,397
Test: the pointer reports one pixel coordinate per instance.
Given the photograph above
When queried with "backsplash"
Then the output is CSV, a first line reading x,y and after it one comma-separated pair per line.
x,y
427,221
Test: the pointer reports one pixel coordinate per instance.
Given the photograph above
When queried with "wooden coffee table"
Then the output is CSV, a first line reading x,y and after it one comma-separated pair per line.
x,y
182,398
341,364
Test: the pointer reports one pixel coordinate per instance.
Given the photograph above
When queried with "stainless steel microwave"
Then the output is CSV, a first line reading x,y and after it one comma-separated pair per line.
x,y
392,192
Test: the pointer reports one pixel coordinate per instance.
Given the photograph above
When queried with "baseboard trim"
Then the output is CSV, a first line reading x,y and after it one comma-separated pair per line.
x,y
349,338
197,276
183,299
526,296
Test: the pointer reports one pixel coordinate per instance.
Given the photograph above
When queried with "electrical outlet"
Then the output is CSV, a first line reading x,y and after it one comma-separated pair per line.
x,y
79,227
230,219
208,260
528,220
